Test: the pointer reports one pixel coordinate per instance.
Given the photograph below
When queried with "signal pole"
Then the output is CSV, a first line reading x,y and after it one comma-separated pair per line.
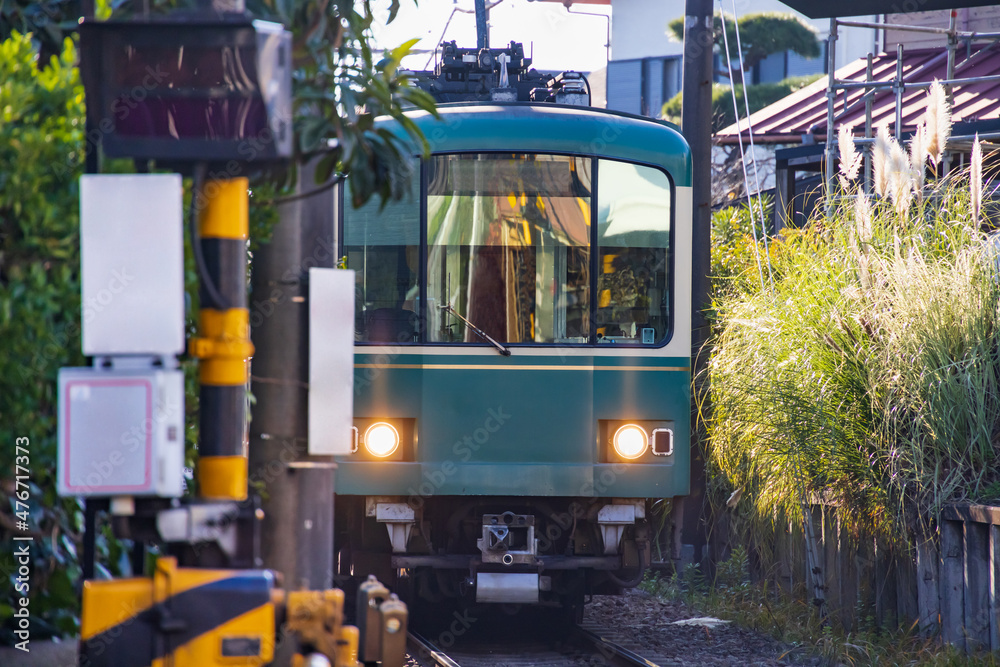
x,y
482,25
696,122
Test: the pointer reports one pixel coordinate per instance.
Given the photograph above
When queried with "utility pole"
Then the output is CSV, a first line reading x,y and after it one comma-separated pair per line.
x,y
696,121
297,500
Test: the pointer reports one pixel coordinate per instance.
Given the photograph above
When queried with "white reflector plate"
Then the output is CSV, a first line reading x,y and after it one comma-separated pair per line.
x,y
331,361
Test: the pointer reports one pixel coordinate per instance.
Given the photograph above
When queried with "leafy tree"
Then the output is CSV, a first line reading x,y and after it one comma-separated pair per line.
x,y
46,20
758,96
341,89
761,35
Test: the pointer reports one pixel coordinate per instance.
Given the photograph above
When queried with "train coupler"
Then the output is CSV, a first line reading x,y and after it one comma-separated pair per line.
x,y
508,539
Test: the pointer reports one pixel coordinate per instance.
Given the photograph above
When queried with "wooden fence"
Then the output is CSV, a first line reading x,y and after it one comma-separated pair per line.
x,y
947,583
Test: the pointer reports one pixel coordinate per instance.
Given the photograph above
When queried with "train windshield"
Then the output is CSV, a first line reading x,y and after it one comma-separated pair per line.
x,y
510,248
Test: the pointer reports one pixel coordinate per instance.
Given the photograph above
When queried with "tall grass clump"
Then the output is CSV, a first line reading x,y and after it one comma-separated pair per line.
x,y
868,377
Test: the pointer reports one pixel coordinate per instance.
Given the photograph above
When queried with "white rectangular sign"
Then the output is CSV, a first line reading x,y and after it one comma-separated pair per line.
x,y
132,261
331,361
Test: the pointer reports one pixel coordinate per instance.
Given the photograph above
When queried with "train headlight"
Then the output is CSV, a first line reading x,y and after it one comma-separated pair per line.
x,y
630,441
381,439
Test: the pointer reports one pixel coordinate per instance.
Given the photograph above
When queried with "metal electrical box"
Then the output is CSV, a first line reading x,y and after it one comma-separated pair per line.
x,y
132,264
121,432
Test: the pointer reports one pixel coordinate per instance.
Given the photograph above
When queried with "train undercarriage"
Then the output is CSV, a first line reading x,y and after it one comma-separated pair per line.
x,y
495,550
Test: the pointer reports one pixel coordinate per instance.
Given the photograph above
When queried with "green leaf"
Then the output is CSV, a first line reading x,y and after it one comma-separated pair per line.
x,y
393,10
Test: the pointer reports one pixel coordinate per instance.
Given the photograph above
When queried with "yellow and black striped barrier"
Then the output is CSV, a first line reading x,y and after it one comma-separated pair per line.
x,y
181,616
187,617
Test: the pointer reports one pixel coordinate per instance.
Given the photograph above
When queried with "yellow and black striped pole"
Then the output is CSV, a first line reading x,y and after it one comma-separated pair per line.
x,y
224,346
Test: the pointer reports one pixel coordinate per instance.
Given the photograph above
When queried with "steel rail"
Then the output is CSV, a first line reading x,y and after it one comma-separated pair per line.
x,y
608,648
611,653
422,649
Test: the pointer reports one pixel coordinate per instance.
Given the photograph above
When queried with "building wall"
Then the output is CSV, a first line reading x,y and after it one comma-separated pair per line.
x,y
642,86
639,28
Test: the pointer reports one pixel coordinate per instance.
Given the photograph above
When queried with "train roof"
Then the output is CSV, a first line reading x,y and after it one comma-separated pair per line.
x,y
555,128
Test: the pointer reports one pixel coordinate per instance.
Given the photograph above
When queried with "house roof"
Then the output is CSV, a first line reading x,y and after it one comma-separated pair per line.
x,y
804,111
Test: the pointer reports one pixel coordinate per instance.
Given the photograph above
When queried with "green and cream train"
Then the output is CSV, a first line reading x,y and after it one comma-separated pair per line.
x,y
522,356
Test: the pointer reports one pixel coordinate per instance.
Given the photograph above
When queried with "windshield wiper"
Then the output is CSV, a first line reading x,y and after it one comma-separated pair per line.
x,y
479,332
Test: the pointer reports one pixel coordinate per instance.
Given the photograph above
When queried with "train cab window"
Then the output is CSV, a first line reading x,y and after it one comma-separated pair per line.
x,y
633,230
383,247
508,248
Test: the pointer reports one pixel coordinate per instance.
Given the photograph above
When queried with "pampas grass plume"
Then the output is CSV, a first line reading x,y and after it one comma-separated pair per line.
x,y
850,159
918,158
938,121
880,160
900,178
863,217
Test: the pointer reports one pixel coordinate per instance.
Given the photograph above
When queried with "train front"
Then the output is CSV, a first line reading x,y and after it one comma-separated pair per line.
x,y
522,359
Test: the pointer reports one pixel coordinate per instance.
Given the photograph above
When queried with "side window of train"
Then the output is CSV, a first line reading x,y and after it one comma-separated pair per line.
x,y
508,248
383,248
633,281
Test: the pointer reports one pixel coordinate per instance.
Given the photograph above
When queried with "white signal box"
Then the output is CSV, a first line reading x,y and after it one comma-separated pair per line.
x,y
121,432
132,264
331,361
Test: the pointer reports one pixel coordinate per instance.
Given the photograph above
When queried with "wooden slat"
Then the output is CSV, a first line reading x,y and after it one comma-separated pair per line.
x,y
952,584
906,587
866,576
995,588
831,548
885,589
782,562
797,559
977,585
848,580
928,590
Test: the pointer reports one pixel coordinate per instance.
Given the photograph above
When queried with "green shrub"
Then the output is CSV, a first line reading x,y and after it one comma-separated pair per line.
x,y
41,157
739,253
868,374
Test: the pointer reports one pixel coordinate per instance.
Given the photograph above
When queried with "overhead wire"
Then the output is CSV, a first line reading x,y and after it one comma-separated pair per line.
x,y
739,136
808,525
753,149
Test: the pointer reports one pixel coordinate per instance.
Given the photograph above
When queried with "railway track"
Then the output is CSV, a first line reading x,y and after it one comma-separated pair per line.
x,y
576,647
